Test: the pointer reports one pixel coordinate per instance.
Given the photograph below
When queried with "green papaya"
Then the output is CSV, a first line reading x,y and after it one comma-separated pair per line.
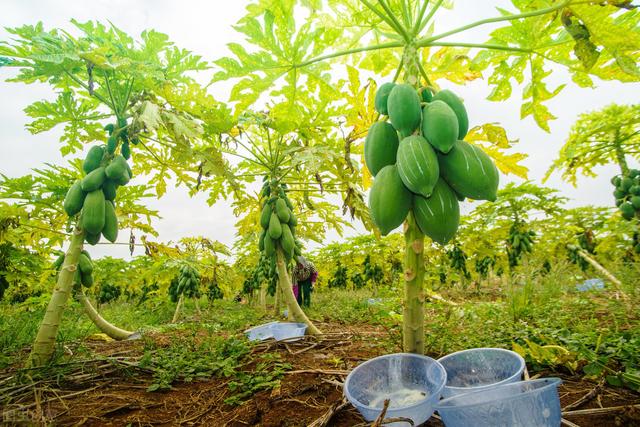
x,y
93,212
109,189
380,146
86,253
92,239
293,220
626,183
117,171
122,122
425,94
125,150
93,159
619,202
283,212
297,251
635,201
275,228
261,240
457,106
389,200
129,171
112,144
439,215
616,180
404,109
110,128
440,126
110,230
469,172
77,278
633,173
74,199
619,194
288,202
627,210
418,165
287,242
85,265
265,216
635,190
269,246
382,96
94,180
58,262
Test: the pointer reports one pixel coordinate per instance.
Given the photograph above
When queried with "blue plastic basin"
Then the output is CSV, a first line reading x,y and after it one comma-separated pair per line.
x,y
260,332
479,369
523,404
288,330
412,382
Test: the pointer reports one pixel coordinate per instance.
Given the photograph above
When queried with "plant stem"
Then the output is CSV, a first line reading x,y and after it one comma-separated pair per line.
x,y
382,46
382,16
390,14
413,308
104,326
176,314
427,41
620,157
44,344
284,282
416,26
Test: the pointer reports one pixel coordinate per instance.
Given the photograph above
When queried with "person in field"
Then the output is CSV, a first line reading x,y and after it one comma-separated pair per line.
x,y
305,275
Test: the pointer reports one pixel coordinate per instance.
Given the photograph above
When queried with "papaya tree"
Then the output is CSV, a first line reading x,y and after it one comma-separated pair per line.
x,y
124,97
403,41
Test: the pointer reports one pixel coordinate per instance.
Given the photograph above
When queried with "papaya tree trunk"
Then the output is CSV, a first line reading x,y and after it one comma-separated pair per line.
x,y
620,157
276,302
284,282
104,326
196,300
44,344
600,269
263,297
176,314
413,309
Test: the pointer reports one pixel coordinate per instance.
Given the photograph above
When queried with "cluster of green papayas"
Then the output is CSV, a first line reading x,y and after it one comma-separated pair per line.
x,y
119,133
187,283
420,162
627,194
278,222
518,242
84,270
95,194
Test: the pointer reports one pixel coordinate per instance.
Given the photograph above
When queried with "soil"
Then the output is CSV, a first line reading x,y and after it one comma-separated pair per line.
x,y
311,389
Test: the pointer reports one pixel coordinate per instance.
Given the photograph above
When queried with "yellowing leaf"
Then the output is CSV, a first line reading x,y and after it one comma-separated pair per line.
x,y
494,141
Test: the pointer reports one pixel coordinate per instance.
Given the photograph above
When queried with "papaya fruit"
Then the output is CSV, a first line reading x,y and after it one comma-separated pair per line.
x,y
129,171
469,171
92,239
619,202
269,246
77,278
418,165
94,180
380,146
85,265
93,212
288,202
635,190
112,144
275,228
84,251
58,262
382,96
110,229
117,171
122,122
293,220
633,173
109,189
283,212
261,240
626,183
635,201
439,215
297,251
93,159
616,180
287,241
125,150
74,199
440,125
458,108
619,194
389,200
110,128
404,110
425,94
265,216
627,210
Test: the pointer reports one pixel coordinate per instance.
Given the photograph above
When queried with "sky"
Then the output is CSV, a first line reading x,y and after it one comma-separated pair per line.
x,y
205,28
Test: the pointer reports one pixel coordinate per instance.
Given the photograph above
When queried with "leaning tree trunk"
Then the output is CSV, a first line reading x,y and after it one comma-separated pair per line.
x,y
104,326
176,314
44,344
262,302
599,268
413,309
284,282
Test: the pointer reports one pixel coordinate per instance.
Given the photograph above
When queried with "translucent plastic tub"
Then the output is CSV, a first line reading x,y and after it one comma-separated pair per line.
x,y
288,330
523,404
260,332
479,369
412,382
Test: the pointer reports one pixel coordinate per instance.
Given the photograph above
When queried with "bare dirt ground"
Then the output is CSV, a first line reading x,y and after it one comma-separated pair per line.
x,y
310,394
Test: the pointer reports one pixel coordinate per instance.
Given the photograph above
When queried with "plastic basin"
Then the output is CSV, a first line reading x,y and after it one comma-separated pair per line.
x,y
532,403
479,369
412,382
260,332
288,330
